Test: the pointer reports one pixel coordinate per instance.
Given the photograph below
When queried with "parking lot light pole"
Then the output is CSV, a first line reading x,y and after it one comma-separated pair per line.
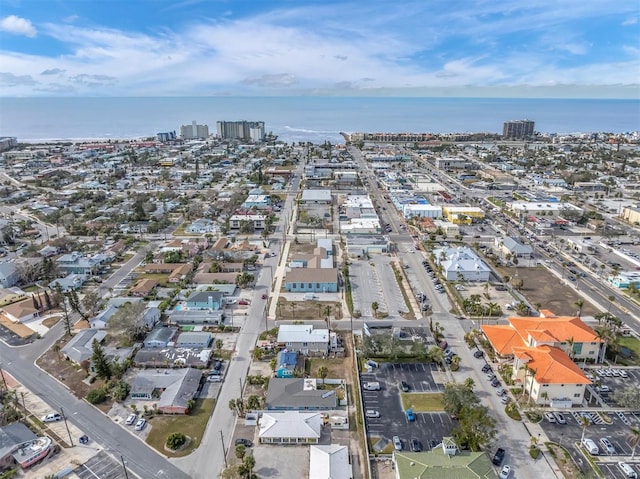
x,y
67,426
224,451
126,474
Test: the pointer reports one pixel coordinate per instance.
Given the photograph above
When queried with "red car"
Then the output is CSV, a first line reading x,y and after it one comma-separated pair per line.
x,y
264,296
243,302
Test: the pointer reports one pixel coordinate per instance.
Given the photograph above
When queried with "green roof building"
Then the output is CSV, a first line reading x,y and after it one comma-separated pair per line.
x,y
443,462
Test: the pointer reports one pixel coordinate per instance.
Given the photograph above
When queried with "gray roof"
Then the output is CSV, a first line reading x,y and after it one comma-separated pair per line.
x,y
516,247
178,385
13,435
316,195
201,337
160,334
291,393
203,297
79,348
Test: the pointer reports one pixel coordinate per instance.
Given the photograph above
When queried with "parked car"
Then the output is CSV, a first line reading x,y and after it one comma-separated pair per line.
x,y
244,442
550,417
486,368
141,424
372,413
478,354
416,445
410,415
505,399
131,419
505,472
243,302
405,386
264,296
495,383
498,457
607,446
397,443
53,417
560,419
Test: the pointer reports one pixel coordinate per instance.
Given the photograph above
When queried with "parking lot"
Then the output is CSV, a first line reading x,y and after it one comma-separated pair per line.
x,y
609,380
429,427
568,435
101,465
373,281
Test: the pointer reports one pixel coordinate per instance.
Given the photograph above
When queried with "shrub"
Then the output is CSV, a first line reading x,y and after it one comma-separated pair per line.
x,y
534,452
120,391
512,411
96,396
176,440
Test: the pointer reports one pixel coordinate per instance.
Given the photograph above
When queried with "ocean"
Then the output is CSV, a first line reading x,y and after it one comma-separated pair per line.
x,y
314,119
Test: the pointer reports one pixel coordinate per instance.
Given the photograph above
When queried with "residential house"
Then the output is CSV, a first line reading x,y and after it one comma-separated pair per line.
x,y
258,222
144,287
172,357
194,339
80,347
304,338
100,320
205,300
202,226
300,394
160,337
48,251
21,311
286,363
461,264
172,389
510,246
10,295
71,282
77,263
330,461
290,427
8,275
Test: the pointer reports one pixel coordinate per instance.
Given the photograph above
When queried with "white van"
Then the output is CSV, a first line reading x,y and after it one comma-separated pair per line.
x,y
627,470
590,446
371,386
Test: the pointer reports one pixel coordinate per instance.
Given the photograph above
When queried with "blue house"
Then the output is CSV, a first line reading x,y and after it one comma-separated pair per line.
x,y
205,300
286,362
77,264
312,280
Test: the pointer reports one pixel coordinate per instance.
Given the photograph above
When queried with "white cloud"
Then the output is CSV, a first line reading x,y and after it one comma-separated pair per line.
x,y
17,26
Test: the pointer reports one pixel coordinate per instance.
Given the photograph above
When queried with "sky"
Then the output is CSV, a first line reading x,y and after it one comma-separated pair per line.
x,y
328,47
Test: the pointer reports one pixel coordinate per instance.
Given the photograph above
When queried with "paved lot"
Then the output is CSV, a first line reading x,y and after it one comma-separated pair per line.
x,y
615,383
373,280
101,465
618,433
281,461
392,420
613,471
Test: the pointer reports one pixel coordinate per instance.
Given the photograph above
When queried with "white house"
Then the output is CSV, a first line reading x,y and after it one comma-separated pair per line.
x,y
290,427
303,338
330,461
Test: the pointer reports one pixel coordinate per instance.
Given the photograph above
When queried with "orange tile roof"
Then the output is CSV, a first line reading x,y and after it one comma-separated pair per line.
x,y
561,328
552,365
502,338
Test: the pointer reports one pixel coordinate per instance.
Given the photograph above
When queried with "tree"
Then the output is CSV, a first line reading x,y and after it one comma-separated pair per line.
x,y
91,302
628,397
611,299
579,304
469,383
100,361
61,300
241,451
374,307
456,397
634,440
244,279
323,372
128,320
475,427
176,440
585,423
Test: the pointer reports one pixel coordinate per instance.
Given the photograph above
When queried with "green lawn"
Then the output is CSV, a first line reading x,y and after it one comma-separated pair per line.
x,y
634,345
192,425
422,402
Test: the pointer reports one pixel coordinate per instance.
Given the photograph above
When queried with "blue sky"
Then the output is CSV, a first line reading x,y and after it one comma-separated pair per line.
x,y
296,47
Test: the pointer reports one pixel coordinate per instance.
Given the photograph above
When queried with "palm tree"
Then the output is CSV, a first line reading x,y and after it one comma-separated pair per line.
x,y
611,299
570,343
469,383
375,306
634,440
323,372
579,304
585,423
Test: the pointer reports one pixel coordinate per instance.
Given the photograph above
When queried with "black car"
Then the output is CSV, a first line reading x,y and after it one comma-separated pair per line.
x,y
244,442
498,457
217,366
495,383
486,368
478,354
405,386
416,445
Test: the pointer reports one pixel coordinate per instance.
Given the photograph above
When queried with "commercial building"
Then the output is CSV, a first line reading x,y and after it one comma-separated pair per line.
x,y
516,129
299,394
631,214
290,427
462,214
194,131
461,264
241,130
548,346
304,339
330,461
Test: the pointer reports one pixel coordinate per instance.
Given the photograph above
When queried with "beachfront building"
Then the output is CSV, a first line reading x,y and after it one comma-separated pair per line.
x,y
241,130
518,129
624,279
194,131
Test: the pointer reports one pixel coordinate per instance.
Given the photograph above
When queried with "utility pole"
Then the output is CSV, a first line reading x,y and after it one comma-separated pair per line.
x,y
67,426
126,474
224,451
